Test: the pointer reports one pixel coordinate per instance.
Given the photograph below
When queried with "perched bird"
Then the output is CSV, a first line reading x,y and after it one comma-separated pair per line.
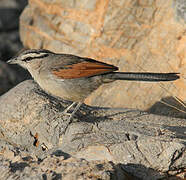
x,y
74,78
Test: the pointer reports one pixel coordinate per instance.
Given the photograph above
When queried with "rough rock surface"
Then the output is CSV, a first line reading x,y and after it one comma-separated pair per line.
x,y
145,145
25,166
136,35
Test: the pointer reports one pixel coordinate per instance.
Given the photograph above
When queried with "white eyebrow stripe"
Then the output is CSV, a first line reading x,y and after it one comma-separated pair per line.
x,y
32,55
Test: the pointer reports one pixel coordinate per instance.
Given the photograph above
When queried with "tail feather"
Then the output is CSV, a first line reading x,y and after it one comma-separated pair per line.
x,y
137,76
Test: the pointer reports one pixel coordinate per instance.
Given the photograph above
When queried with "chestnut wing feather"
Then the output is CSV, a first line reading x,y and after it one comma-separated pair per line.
x,y
85,68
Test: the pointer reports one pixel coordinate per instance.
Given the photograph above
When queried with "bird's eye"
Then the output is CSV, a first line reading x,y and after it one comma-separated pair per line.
x,y
27,59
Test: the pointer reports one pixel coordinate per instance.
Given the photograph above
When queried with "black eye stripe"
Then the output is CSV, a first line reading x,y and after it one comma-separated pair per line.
x,y
38,57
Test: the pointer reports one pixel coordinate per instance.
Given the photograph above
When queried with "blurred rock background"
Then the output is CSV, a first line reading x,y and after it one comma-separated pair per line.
x,y
10,43
136,35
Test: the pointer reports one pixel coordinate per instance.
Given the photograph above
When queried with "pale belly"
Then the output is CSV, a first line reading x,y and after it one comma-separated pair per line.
x,y
72,89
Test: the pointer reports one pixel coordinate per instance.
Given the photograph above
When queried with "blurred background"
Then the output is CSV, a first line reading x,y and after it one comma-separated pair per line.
x,y
135,35
10,44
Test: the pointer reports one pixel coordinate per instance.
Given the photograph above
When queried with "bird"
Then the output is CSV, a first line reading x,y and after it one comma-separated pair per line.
x,y
74,78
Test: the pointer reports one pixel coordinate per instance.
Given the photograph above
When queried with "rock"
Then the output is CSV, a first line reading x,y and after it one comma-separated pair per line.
x,y
134,35
180,10
53,167
142,144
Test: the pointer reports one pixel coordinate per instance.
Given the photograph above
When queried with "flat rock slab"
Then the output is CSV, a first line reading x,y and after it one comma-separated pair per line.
x,y
32,121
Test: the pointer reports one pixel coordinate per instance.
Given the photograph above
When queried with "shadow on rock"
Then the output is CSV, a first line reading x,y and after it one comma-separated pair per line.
x,y
143,172
18,166
169,106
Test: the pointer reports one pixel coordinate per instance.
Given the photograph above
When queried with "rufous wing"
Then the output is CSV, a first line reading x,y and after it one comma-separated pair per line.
x,y
83,69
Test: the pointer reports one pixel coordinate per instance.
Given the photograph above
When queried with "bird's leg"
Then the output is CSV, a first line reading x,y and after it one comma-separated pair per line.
x,y
76,108
72,114
69,107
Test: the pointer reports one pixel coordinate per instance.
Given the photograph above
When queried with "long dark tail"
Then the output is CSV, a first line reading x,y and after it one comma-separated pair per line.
x,y
145,76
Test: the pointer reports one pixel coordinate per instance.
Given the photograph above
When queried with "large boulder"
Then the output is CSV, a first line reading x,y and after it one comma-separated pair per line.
x,y
142,144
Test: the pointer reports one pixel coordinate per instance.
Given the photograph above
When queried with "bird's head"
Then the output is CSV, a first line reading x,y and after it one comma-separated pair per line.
x,y
31,57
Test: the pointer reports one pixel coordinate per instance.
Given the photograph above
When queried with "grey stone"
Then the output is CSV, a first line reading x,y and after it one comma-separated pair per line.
x,y
24,166
180,7
143,144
